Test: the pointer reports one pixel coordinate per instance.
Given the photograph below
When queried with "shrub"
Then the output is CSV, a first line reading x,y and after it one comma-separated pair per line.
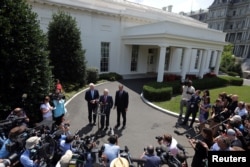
x,y
232,80
92,75
171,77
230,73
110,76
157,91
209,75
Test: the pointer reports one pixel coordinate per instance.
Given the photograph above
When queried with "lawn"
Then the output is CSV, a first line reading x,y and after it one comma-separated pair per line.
x,y
241,91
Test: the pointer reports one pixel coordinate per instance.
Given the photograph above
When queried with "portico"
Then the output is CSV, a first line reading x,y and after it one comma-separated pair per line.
x,y
196,55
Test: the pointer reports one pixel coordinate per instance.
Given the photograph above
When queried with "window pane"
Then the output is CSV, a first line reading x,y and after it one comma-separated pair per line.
x,y
134,58
104,63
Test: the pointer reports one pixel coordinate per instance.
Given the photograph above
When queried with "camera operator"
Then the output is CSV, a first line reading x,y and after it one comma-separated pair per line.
x,y
111,150
19,113
169,142
201,147
65,159
26,159
66,143
151,159
14,132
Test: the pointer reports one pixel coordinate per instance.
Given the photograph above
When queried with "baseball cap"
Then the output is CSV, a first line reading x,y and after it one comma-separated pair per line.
x,y
231,132
235,118
119,162
32,142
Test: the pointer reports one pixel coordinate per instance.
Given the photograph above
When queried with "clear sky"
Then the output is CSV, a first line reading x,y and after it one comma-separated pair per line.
x,y
178,5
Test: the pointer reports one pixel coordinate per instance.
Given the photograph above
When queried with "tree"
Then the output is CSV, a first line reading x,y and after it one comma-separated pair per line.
x,y
229,63
24,57
66,53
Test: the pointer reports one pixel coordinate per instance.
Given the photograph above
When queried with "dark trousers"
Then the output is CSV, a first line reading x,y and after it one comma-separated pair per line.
x,y
58,120
119,113
105,116
190,111
92,111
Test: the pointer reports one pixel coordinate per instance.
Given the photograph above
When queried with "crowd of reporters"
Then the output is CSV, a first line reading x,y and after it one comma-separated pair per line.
x,y
223,126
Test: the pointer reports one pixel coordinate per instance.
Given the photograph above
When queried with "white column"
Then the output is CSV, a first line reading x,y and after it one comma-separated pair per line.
x,y
217,63
202,65
209,51
186,62
161,64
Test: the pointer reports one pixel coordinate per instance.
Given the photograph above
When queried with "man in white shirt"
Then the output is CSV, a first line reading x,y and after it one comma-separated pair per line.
x,y
187,91
170,143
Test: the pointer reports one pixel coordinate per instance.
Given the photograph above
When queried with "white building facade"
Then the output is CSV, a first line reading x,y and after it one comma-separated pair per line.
x,y
131,39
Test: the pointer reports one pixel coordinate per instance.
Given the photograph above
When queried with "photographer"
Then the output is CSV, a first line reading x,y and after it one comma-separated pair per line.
x,y
14,132
65,143
16,114
151,159
110,150
26,159
201,147
59,108
65,159
169,142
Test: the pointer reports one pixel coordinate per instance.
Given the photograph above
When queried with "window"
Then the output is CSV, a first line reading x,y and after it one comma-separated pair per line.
x,y
239,35
234,13
211,59
167,59
104,64
182,57
197,59
134,58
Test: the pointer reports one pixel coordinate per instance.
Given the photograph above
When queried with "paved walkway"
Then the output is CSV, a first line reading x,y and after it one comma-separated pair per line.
x,y
144,122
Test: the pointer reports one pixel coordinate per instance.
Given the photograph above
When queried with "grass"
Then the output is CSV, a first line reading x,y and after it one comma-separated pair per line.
x,y
241,91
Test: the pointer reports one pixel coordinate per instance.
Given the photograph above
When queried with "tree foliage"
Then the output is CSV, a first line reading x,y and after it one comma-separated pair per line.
x,y
66,53
228,62
24,56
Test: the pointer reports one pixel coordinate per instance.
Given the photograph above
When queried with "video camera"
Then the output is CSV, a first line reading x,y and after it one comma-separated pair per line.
x,y
10,161
6,125
166,157
159,138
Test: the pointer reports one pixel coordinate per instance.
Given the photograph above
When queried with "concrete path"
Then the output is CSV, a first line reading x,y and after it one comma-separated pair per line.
x,y
144,122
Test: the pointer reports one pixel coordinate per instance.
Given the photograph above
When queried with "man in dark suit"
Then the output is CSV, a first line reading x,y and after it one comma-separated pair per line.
x,y
121,104
92,96
106,103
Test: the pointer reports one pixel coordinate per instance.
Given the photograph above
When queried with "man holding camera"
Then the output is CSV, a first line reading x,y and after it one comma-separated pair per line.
x,y
111,150
26,159
19,117
170,143
151,160
187,91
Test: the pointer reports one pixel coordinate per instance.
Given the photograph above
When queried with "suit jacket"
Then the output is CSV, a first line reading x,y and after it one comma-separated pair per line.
x,y
108,103
121,101
88,96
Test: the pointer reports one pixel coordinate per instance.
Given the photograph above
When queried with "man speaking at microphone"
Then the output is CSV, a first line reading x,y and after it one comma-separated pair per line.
x,y
106,102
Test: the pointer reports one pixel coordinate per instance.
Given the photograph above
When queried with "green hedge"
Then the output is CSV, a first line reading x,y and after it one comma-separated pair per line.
x,y
92,75
155,91
112,76
236,81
